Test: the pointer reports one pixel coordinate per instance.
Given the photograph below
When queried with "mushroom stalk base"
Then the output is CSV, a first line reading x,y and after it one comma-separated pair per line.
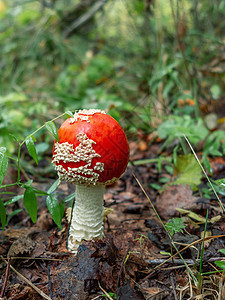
x,y
87,216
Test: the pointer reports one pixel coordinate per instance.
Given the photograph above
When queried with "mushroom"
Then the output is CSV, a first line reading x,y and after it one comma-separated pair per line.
x,y
92,152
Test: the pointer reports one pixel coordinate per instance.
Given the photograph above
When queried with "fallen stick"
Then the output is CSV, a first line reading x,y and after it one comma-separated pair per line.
x,y
27,281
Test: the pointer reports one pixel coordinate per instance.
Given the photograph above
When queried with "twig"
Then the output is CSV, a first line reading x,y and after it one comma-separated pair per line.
x,y
177,261
173,287
122,264
170,237
107,294
47,270
84,18
185,248
27,281
49,282
6,278
30,258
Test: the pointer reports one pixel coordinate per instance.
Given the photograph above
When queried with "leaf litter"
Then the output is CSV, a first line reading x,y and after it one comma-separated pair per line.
x,y
131,261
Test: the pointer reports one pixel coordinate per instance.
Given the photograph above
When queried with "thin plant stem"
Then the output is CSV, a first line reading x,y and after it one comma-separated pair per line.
x,y
21,144
212,272
6,278
18,164
12,158
203,170
202,253
175,247
148,161
7,185
41,128
183,249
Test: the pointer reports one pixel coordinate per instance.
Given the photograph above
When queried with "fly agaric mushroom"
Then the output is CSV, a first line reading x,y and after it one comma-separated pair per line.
x,y
92,152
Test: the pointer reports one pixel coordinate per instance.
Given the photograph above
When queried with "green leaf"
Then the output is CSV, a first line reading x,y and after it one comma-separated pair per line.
x,y
30,202
70,197
188,171
2,150
215,152
175,225
13,200
220,264
165,253
220,185
42,148
2,214
155,186
175,150
40,192
110,294
177,127
220,182
206,163
53,187
169,169
160,165
50,126
54,209
62,209
222,251
3,166
69,114
164,179
215,91
13,97
31,148
13,213
27,184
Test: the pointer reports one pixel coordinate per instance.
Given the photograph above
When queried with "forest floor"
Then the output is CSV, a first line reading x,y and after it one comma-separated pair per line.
x,y
133,260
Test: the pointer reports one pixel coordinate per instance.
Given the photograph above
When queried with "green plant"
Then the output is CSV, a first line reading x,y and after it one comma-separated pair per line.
x,y
55,208
221,263
168,233
206,192
204,172
187,171
178,126
214,146
111,294
218,263
141,239
174,226
77,79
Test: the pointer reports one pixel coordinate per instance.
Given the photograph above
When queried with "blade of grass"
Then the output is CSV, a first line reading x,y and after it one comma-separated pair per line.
x,y
178,252
183,249
148,161
207,177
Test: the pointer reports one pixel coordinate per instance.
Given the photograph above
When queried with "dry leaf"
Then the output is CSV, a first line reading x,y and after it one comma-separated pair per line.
x,y
173,197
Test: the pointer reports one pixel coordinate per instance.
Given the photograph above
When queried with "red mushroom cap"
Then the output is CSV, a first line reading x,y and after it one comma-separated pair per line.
x,y
92,149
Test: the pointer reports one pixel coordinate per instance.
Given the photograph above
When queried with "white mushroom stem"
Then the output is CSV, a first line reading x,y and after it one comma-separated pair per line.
x,y
87,216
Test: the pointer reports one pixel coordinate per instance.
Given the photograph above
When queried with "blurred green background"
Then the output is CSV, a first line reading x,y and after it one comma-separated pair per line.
x,y
140,60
